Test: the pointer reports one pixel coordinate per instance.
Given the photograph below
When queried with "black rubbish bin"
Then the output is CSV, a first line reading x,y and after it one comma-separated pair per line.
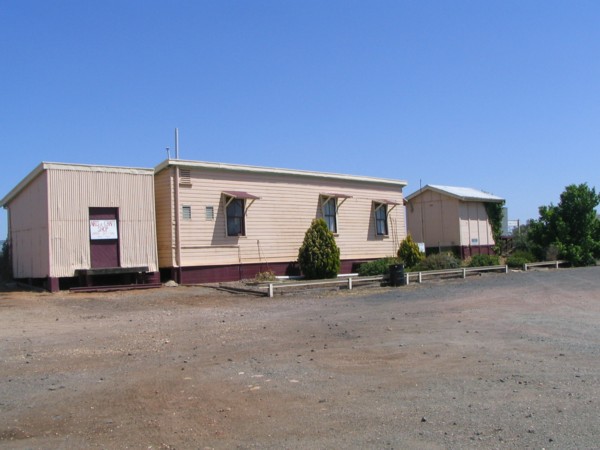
x,y
397,275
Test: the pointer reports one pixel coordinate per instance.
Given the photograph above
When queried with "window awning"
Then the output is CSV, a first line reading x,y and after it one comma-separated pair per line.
x,y
241,195
327,196
333,195
389,203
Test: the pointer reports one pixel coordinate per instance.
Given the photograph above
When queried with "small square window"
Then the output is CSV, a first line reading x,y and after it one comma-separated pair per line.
x,y
210,213
186,212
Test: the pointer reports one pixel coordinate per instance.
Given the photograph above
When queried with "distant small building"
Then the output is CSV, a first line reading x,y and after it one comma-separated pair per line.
x,y
219,222
448,218
71,224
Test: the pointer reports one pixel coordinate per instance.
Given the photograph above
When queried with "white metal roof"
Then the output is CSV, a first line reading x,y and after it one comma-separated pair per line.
x,y
275,171
75,167
465,194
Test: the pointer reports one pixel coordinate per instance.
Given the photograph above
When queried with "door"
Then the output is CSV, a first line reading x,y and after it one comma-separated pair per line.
x,y
104,237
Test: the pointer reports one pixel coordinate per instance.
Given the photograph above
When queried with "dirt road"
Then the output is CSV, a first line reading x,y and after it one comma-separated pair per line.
x,y
497,361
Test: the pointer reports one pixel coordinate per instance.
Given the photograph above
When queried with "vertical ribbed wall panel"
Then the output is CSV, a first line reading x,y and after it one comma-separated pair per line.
x,y
29,230
73,192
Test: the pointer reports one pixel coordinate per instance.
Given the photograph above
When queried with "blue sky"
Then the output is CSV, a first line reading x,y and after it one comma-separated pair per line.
x,y
502,96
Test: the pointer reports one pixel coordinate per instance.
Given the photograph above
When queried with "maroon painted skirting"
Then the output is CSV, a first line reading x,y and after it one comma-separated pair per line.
x,y
466,251
53,284
216,274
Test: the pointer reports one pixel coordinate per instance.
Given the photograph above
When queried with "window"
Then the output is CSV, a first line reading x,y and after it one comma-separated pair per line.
x,y
236,205
381,223
330,204
329,213
186,212
235,217
382,209
209,213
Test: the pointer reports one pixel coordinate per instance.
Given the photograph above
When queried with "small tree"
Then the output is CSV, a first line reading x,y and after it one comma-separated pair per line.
x,y
409,252
5,266
571,227
319,255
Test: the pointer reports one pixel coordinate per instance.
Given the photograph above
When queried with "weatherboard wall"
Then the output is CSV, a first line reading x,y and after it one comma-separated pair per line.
x,y
275,224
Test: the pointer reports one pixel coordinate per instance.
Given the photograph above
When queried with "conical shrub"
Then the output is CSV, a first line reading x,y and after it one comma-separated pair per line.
x,y
409,252
319,255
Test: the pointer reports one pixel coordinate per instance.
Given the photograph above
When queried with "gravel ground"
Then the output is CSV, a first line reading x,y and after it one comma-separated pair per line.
x,y
493,361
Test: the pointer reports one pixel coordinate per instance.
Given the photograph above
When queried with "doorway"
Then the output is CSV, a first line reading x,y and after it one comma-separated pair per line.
x,y
104,237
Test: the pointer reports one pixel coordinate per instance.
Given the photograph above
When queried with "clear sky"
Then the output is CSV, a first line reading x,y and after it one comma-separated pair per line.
x,y
502,96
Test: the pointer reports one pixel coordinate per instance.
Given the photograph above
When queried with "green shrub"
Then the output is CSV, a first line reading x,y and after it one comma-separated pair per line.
x,y
319,255
437,261
5,266
377,267
518,258
484,260
409,252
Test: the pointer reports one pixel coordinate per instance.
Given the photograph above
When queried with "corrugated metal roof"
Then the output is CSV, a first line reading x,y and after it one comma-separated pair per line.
x,y
275,171
462,193
64,166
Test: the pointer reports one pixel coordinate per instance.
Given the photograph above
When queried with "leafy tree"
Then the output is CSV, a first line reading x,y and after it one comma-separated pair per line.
x,y
571,227
319,255
409,252
494,211
5,266
521,240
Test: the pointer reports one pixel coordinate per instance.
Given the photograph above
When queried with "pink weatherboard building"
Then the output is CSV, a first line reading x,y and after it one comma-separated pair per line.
x,y
219,222
71,224
449,218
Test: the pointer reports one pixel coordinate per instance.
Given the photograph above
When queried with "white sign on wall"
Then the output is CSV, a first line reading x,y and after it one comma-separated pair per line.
x,y
103,229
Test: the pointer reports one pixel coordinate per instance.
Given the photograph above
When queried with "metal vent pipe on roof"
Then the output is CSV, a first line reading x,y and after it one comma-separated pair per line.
x,y
176,143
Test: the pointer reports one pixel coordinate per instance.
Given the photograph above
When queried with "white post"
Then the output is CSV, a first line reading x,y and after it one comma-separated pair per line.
x,y
464,273
557,264
407,275
349,283
525,267
420,278
271,290
506,268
